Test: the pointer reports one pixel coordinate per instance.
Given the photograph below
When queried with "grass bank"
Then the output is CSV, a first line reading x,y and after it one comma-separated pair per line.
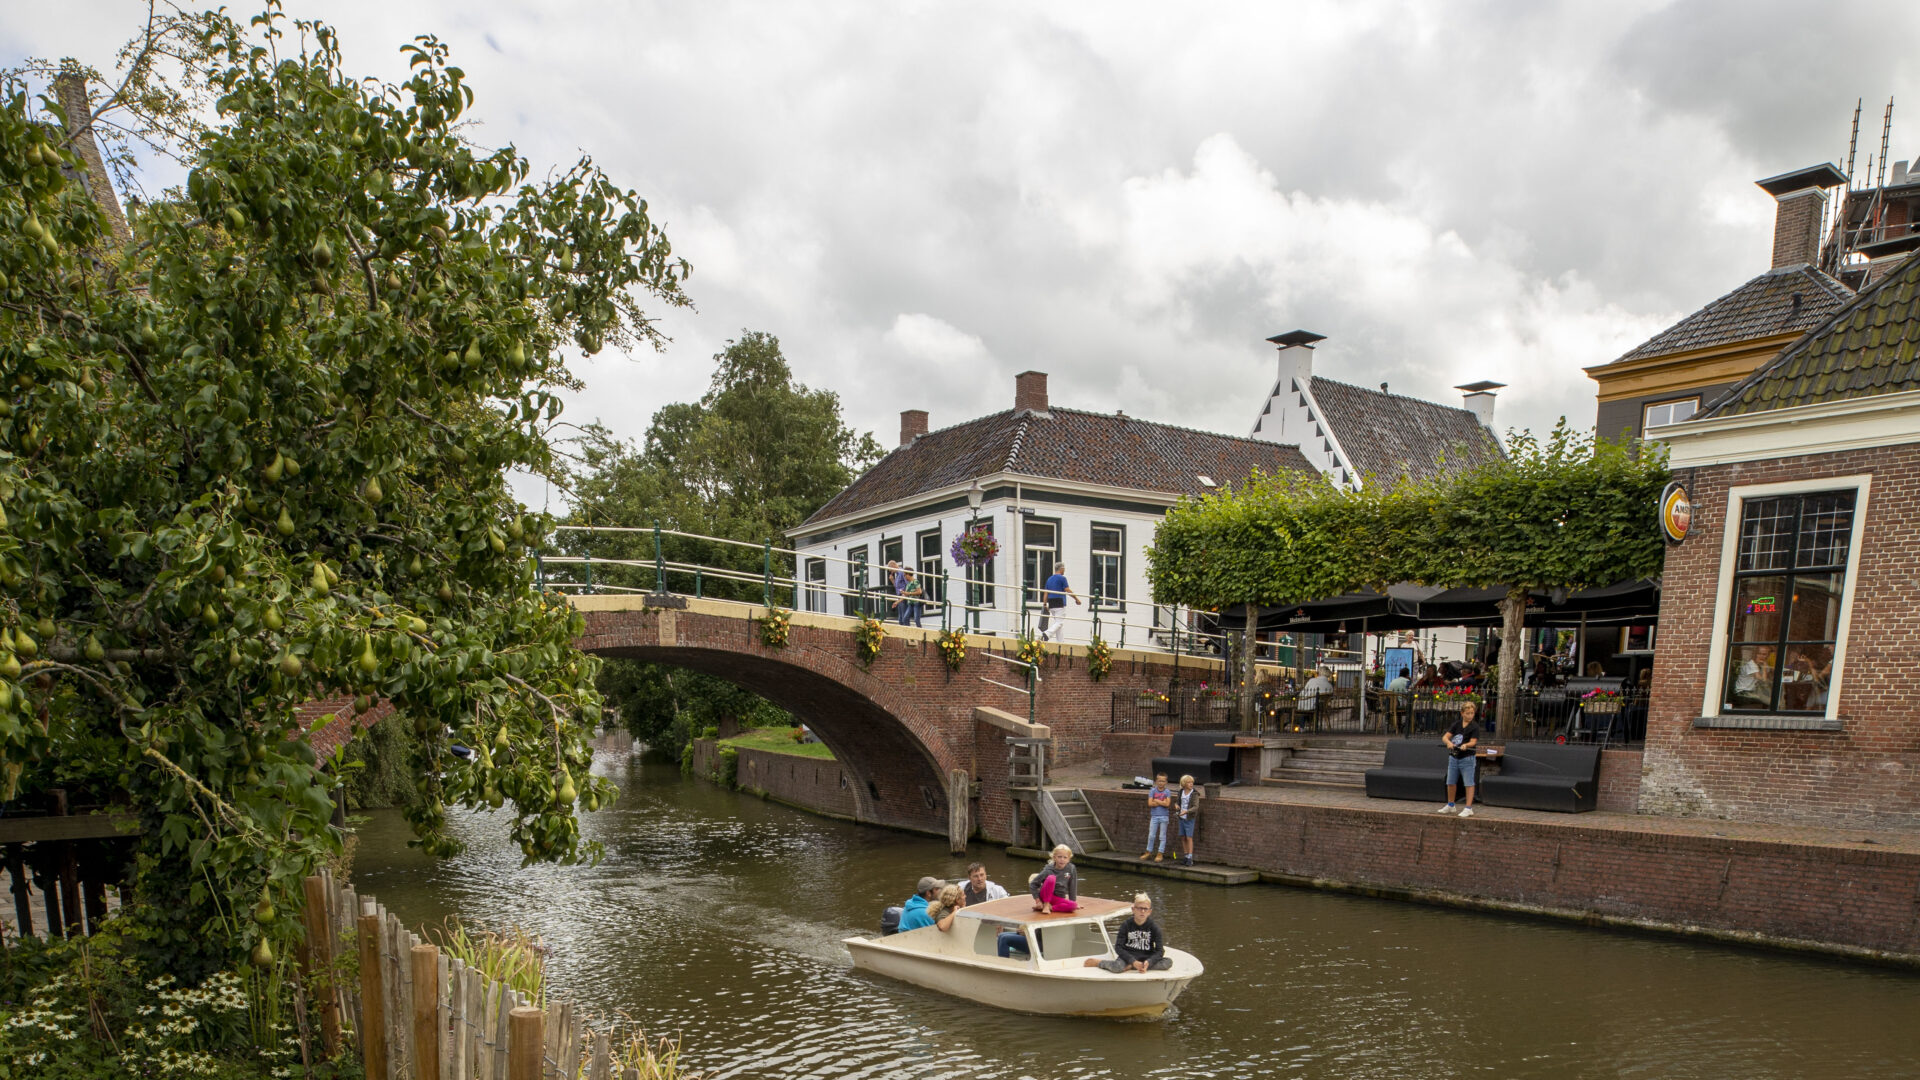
x,y
777,741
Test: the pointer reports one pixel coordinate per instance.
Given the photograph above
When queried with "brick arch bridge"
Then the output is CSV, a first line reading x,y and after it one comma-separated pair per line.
x,y
925,746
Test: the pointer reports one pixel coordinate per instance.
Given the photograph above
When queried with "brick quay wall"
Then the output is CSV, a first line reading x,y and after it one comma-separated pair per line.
x,y
1862,903
818,785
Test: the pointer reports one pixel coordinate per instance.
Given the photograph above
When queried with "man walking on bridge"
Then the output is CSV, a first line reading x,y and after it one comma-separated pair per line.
x,y
1054,601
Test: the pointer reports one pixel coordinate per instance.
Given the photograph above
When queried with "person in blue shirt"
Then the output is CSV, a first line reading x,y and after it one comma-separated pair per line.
x,y
1159,813
913,913
1053,599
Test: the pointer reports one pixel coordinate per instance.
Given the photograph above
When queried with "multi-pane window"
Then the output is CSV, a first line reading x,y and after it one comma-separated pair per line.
x,y
1787,583
980,576
1105,580
856,578
817,585
927,563
1668,412
1039,553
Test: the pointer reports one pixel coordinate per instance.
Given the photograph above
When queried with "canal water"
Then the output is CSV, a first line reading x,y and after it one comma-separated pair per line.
x,y
718,917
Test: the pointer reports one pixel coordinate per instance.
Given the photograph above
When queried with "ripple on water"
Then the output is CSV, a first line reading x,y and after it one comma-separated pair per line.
x,y
719,917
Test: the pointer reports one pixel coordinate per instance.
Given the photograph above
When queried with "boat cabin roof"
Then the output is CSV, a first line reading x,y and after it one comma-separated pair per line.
x,y
1019,909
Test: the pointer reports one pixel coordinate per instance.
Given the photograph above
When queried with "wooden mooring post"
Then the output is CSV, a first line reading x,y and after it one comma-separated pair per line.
x,y
526,1036
426,1011
373,1022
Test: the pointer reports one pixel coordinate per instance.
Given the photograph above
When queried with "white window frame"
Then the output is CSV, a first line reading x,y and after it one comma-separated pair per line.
x,y
1723,585
1648,408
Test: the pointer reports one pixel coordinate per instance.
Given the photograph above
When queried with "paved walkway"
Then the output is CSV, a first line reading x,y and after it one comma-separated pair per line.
x,y
1089,776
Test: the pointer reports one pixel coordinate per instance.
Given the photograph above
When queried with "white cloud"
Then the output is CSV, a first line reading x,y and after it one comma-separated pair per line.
x,y
922,199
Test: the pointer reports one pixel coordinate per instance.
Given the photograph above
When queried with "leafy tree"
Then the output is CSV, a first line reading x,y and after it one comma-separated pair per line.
x,y
754,457
256,458
1571,512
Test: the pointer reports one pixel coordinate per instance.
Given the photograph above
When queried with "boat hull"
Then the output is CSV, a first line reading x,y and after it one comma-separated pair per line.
x,y
1077,991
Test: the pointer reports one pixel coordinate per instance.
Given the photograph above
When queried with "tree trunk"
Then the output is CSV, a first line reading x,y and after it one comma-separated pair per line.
x,y
1513,632
1249,671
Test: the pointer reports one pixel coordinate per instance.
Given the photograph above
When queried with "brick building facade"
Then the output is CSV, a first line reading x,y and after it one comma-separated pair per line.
x,y
1789,649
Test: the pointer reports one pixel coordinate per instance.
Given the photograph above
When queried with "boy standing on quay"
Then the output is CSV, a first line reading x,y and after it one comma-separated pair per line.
x,y
1189,809
1159,813
1462,768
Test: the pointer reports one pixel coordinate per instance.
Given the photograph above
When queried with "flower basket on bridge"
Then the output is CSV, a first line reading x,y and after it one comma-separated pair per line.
x,y
974,547
868,635
1031,651
775,627
953,648
1099,659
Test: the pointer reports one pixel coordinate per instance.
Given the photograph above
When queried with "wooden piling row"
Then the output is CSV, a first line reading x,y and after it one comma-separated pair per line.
x,y
421,1015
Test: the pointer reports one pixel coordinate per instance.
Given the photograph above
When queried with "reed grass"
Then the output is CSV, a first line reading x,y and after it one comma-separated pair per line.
x,y
514,958
634,1054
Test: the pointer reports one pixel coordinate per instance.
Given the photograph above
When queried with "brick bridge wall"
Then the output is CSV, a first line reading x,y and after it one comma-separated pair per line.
x,y
902,726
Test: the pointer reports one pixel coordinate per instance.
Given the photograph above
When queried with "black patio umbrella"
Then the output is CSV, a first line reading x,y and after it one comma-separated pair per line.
x,y
1629,600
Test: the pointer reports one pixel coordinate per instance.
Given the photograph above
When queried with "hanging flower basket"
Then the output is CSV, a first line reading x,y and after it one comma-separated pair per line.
x,y
953,648
1099,659
974,547
775,627
867,638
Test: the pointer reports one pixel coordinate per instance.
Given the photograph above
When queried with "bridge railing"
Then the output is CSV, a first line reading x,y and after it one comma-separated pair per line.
x,y
765,574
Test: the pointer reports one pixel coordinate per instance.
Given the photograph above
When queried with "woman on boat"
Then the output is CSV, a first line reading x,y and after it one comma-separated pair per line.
x,y
942,911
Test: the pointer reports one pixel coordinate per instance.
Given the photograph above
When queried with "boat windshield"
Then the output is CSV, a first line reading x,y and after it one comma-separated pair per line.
x,y
1071,940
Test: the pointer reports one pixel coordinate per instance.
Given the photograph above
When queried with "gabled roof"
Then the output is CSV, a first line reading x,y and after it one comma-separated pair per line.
x,y
1762,307
1388,436
1063,444
1871,346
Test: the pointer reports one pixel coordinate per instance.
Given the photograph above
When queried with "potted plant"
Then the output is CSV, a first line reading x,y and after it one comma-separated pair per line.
x,y
974,547
1601,700
1099,659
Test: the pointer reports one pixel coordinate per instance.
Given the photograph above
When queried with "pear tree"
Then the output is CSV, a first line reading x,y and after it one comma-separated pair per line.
x,y
256,458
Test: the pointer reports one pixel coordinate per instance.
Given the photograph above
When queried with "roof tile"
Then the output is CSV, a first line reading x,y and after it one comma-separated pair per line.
x,y
1843,358
1111,450
1759,308
1389,435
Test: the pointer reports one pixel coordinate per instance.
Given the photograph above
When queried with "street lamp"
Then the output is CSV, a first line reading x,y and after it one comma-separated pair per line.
x,y
974,494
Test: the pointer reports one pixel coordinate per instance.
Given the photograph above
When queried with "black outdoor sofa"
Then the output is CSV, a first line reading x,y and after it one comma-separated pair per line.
x,y
1531,776
1194,753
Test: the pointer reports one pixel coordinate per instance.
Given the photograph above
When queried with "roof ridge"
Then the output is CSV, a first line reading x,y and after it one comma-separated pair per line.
x,y
1401,397
1013,448
1170,427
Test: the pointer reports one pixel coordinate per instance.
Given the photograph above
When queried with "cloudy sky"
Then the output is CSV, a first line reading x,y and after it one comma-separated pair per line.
x,y
922,199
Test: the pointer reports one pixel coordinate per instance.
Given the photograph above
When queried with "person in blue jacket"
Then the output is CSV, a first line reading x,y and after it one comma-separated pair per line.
x,y
913,913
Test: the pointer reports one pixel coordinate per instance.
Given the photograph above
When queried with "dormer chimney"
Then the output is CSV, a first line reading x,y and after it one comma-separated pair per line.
x,y
913,424
1296,358
1801,198
1479,399
1030,391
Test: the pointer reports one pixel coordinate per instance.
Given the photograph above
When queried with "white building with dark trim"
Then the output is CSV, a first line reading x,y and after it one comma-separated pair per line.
x,y
1067,487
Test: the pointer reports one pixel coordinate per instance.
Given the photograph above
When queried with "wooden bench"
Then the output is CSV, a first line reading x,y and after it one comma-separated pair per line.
x,y
1195,753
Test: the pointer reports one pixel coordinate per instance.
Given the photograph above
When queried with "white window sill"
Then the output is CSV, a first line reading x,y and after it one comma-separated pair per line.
x,y
1768,722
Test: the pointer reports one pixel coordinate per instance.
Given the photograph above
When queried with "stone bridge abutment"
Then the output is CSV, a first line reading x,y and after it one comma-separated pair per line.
x,y
905,728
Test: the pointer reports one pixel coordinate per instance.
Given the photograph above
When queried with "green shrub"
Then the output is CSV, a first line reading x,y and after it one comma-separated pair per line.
x,y
727,767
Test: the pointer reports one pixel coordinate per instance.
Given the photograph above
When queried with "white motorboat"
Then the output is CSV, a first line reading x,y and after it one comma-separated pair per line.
x,y
1052,978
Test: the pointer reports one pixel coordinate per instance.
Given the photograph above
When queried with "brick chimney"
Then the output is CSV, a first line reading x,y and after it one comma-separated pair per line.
x,y
1030,391
71,88
913,424
1801,203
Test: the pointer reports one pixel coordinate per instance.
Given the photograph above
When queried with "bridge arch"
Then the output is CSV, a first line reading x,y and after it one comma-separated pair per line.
x,y
880,724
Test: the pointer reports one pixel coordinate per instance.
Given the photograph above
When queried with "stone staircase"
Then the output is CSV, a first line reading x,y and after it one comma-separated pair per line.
x,y
1329,763
1069,820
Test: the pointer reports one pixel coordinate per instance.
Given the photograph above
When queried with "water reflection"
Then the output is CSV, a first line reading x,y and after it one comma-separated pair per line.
x,y
719,916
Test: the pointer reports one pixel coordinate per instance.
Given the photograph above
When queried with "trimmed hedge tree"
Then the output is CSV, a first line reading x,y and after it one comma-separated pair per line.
x,y
1570,511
